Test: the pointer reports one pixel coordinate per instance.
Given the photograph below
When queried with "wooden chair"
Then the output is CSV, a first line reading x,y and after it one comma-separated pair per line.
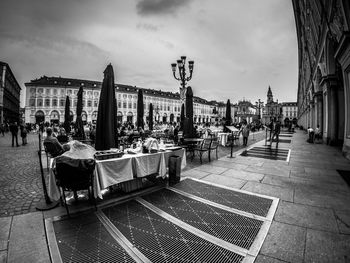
x,y
203,147
74,175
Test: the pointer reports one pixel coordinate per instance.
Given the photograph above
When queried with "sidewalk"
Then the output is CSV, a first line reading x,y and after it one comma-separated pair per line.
x,y
311,224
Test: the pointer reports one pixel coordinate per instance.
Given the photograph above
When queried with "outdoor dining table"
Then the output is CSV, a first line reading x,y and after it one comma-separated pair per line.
x,y
191,144
223,138
125,168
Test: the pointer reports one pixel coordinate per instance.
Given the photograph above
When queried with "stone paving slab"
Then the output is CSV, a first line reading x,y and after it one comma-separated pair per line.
x,y
327,247
343,220
211,169
243,175
5,224
322,198
225,180
265,259
296,182
270,190
285,242
306,216
194,174
28,239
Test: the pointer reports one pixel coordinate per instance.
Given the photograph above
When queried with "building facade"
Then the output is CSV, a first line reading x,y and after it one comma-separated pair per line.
x,y
9,95
245,110
324,68
289,112
46,96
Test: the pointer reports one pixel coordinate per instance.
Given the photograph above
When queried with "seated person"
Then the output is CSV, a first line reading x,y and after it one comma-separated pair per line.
x,y
56,147
318,135
62,136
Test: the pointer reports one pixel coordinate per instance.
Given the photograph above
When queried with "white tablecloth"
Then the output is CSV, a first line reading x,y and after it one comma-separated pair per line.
x,y
129,166
223,137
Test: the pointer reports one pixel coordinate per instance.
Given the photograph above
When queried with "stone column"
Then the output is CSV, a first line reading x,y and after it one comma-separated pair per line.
x,y
319,110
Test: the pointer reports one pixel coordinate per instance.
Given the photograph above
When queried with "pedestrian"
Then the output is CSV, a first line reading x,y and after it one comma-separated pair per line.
x,y
276,130
23,134
245,133
14,132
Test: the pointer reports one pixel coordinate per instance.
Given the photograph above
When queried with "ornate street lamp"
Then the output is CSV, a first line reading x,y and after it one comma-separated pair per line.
x,y
183,78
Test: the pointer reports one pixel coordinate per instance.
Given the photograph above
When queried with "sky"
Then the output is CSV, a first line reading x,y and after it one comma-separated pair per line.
x,y
239,47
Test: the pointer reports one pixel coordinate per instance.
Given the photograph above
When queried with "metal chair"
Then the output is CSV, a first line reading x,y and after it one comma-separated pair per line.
x,y
74,175
214,145
203,147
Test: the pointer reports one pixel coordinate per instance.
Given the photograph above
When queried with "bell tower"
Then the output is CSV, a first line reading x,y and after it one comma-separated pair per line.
x,y
269,96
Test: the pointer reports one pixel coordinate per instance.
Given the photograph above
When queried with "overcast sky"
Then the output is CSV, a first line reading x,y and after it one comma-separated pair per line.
x,y
239,47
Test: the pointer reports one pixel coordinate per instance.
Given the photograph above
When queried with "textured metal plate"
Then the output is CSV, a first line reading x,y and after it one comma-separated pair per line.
x,y
245,202
84,239
268,153
162,241
233,228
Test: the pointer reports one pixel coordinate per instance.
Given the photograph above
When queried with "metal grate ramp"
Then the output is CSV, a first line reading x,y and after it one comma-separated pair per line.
x,y
280,140
84,239
161,240
267,153
231,227
242,201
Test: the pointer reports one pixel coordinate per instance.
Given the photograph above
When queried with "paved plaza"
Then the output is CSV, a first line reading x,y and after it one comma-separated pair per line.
x,y
311,223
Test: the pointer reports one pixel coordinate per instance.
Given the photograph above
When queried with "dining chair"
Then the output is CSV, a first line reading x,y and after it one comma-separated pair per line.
x,y
202,148
74,175
214,145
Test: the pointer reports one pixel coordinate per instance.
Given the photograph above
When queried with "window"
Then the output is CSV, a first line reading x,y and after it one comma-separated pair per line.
x,y
62,103
47,91
96,94
134,105
89,103
75,103
95,103
32,90
32,102
168,108
47,102
40,102
40,90
55,92
119,96
119,104
129,105
54,103
124,104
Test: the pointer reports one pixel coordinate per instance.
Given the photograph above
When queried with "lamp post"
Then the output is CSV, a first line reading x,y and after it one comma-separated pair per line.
x,y
183,78
259,104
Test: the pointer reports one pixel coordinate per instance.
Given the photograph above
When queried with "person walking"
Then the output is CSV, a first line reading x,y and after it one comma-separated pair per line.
x,y
276,130
14,132
23,134
245,132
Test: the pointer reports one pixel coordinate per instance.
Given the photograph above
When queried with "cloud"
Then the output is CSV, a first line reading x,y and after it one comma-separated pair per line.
x,y
147,27
155,7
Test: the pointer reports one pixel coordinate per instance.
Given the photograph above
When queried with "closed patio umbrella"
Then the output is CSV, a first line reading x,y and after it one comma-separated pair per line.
x,y
67,119
188,126
182,117
228,113
140,109
150,125
106,124
79,126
